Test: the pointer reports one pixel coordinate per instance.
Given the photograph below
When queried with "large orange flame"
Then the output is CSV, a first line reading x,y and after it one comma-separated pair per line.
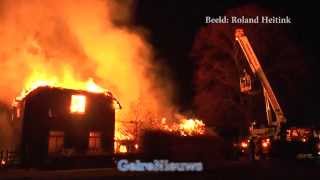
x,y
88,85
63,43
189,127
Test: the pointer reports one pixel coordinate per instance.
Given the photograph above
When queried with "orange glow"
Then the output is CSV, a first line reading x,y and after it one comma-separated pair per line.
x,y
121,132
93,87
67,44
136,146
119,135
116,105
68,83
265,144
185,127
115,146
244,144
123,149
189,127
78,104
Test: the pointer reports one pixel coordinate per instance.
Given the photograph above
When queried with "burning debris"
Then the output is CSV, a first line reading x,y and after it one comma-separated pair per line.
x,y
128,141
185,127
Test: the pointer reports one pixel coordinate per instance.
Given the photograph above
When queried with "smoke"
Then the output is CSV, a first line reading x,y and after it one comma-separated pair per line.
x,y
74,40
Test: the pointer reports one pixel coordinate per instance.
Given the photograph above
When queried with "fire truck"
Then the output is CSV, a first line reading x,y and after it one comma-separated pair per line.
x,y
277,131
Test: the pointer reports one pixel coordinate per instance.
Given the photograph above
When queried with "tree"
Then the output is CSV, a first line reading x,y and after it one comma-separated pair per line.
x,y
217,97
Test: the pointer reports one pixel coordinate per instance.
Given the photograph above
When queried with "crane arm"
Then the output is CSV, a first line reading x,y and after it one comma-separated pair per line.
x,y
257,69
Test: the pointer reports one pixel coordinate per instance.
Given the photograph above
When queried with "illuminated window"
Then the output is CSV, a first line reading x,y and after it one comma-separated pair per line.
x,y
55,141
123,148
78,104
94,141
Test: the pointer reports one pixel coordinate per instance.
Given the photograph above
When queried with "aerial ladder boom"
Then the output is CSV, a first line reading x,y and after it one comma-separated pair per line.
x,y
256,68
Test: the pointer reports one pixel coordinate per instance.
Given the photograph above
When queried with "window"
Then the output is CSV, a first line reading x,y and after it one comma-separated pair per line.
x,y
94,141
55,141
78,104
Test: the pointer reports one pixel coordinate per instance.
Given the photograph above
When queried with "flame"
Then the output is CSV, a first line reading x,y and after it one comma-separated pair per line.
x,y
93,87
78,104
185,127
64,43
38,80
190,127
120,135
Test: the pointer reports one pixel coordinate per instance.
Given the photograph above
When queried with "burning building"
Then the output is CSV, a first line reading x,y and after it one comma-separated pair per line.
x,y
62,43
58,125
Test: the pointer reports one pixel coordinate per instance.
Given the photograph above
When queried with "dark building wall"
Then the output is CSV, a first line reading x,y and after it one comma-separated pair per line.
x,y
48,109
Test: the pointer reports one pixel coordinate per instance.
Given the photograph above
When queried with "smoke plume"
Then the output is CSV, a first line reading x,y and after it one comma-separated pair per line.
x,y
70,41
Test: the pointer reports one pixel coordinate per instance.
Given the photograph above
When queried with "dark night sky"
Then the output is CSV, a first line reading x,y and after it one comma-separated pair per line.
x,y
174,24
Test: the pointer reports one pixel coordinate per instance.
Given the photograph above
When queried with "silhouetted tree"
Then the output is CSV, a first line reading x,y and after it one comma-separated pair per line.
x,y
218,98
